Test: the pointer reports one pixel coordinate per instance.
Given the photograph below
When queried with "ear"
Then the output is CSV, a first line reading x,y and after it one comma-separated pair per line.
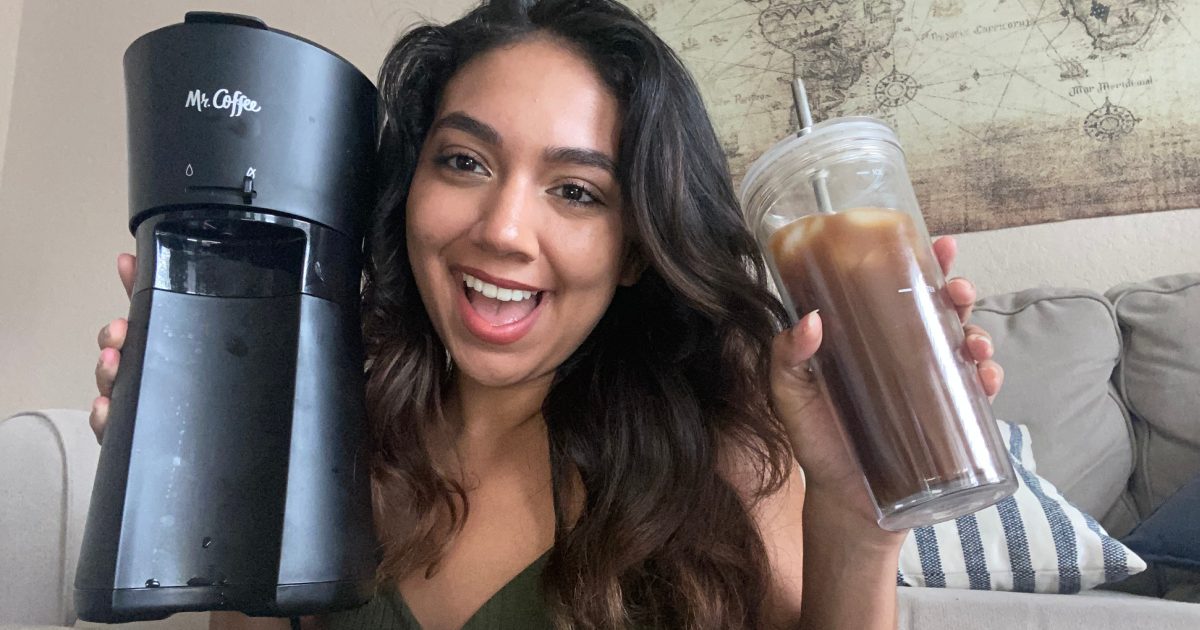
x,y
632,266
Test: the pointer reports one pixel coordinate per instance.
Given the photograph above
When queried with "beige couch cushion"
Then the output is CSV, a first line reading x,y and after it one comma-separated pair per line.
x,y
1159,378
47,467
1059,348
947,609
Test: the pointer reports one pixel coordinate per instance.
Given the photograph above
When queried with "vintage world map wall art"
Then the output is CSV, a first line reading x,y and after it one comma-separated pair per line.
x,y
1011,112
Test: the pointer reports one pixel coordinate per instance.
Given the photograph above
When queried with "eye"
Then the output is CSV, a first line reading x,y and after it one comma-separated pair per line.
x,y
576,194
464,163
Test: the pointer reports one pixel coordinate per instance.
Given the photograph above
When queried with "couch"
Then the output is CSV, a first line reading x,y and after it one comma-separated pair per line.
x,y
1109,386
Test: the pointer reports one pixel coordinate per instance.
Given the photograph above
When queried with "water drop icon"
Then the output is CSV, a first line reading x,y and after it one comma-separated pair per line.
x,y
188,171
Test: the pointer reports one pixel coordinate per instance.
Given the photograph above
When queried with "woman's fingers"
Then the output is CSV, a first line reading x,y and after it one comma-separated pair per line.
x,y
962,292
106,370
795,346
979,343
127,269
982,349
962,295
111,339
992,377
946,250
113,334
99,416
793,387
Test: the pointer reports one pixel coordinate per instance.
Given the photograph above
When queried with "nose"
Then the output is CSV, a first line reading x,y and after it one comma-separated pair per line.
x,y
508,224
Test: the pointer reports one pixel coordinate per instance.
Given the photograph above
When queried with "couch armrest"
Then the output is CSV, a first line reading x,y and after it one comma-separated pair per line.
x,y
47,467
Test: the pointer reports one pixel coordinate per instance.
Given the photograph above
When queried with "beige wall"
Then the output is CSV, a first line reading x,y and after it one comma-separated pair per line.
x,y
10,32
63,192
1090,253
63,198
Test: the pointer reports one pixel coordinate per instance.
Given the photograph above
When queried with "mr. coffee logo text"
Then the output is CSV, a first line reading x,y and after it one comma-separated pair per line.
x,y
235,102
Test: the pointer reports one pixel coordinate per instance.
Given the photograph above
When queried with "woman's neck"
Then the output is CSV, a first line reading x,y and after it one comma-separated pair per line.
x,y
503,427
493,421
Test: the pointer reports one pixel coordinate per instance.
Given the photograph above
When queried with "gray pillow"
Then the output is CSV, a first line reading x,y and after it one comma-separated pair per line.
x,y
1159,379
1059,348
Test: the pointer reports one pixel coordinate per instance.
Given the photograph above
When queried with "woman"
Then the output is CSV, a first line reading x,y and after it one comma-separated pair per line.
x,y
582,410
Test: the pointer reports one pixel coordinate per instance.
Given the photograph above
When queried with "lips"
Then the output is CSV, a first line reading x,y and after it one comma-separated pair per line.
x,y
495,310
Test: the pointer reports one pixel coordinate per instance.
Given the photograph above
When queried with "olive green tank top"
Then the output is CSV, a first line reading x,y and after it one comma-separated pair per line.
x,y
517,604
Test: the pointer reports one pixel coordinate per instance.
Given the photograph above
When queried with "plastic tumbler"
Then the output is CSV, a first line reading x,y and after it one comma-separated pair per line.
x,y
835,213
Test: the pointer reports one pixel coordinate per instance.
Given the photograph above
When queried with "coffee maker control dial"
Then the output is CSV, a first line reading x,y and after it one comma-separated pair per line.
x,y
246,190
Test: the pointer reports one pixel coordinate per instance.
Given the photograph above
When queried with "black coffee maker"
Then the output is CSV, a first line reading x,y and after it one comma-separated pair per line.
x,y
233,473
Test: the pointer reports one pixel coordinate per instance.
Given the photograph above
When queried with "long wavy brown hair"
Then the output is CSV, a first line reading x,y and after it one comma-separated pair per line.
x,y
672,380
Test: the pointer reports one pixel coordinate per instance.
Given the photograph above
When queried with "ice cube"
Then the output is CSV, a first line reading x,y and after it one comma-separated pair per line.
x,y
871,217
800,234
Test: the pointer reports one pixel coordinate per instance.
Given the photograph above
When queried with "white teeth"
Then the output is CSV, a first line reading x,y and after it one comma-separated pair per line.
x,y
495,292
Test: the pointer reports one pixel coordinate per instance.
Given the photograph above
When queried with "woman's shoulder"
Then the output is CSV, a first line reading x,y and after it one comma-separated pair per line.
x,y
779,516
744,469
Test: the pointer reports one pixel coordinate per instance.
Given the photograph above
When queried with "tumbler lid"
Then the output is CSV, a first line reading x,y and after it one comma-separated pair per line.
x,y
798,152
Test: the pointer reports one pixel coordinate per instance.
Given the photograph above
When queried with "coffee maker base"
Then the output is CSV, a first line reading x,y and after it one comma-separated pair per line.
x,y
283,600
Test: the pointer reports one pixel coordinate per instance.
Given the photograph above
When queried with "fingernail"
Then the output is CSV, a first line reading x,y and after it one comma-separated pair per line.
x,y
806,322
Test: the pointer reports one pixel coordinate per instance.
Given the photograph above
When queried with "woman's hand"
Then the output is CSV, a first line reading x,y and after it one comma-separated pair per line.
x,y
832,476
111,339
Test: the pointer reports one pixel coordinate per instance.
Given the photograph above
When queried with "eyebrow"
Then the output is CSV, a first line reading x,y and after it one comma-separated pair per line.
x,y
464,123
581,157
562,155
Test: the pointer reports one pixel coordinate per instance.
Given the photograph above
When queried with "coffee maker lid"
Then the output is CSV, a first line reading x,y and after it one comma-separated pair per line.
x,y
795,155
224,111
238,19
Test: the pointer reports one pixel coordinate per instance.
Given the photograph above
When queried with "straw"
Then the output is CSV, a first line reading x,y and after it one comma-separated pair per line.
x,y
804,111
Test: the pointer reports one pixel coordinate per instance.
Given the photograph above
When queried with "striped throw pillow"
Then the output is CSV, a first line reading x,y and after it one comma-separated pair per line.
x,y
1033,541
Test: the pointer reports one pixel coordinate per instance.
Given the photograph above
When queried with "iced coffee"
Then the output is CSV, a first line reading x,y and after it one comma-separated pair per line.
x,y
836,215
885,363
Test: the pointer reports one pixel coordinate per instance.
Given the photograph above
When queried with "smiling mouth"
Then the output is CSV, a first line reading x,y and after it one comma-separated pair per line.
x,y
499,306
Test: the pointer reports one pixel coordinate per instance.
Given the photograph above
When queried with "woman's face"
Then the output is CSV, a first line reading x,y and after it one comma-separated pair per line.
x,y
514,215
